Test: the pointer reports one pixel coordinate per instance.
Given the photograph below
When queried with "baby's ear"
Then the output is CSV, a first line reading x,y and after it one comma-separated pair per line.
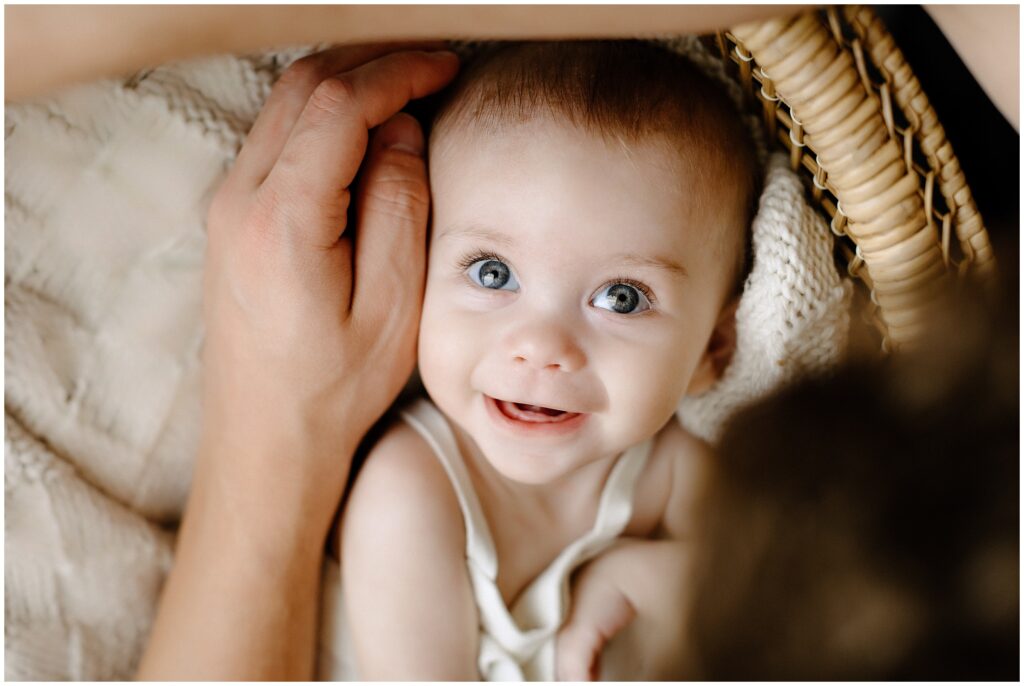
x,y
719,352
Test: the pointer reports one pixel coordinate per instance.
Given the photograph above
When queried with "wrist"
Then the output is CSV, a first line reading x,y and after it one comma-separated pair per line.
x,y
275,488
241,575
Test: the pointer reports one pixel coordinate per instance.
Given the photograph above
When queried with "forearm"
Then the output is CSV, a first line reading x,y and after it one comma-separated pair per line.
x,y
51,46
298,363
629,607
987,38
241,599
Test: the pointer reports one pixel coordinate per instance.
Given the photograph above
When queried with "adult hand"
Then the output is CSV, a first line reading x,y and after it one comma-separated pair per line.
x,y
311,328
311,325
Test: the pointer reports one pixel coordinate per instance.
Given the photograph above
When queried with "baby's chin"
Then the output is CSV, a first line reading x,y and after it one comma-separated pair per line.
x,y
531,468
539,465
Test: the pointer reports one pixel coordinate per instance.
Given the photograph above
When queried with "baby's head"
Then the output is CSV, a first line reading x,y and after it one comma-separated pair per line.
x,y
591,206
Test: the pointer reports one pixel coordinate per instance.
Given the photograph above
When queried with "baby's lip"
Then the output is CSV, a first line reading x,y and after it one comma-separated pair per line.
x,y
529,421
533,413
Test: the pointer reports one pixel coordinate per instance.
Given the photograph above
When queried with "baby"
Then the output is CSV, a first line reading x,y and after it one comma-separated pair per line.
x,y
591,204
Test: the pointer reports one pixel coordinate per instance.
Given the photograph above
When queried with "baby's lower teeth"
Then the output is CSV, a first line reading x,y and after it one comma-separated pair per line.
x,y
537,409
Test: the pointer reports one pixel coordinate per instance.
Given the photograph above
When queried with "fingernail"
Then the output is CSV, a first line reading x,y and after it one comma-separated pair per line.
x,y
404,134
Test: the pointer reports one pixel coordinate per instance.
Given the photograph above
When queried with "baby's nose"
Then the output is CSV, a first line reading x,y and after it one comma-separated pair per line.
x,y
548,347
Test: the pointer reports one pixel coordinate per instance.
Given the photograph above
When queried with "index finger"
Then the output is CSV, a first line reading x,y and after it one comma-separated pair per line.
x,y
287,99
327,144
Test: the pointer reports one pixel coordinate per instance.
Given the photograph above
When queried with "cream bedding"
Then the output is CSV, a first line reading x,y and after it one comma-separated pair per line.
x,y
106,191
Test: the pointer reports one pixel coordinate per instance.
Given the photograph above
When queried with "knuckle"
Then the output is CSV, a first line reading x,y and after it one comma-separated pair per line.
x,y
402,207
283,210
405,163
333,95
572,663
399,190
268,216
267,203
303,73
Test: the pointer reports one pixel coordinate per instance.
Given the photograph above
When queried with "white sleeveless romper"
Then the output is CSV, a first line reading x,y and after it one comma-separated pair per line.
x,y
516,644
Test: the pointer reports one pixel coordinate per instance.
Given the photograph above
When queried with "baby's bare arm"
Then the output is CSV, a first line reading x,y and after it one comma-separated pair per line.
x,y
599,611
406,588
629,604
628,615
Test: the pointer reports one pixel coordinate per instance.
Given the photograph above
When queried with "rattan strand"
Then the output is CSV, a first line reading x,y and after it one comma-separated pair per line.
x,y
821,102
931,136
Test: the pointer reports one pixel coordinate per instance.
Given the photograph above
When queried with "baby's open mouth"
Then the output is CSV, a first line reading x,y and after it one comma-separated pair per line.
x,y
535,414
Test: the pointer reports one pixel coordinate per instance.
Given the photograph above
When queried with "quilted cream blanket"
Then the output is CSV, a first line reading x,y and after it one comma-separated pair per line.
x,y
106,192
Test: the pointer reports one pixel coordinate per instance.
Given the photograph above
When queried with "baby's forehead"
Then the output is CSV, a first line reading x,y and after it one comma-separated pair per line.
x,y
545,124
647,173
650,102
563,200
687,162
547,191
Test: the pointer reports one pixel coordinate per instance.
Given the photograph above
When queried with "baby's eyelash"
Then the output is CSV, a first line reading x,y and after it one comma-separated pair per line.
x,y
642,287
472,258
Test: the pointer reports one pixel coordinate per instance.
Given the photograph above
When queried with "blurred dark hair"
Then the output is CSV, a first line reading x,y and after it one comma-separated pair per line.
x,y
866,526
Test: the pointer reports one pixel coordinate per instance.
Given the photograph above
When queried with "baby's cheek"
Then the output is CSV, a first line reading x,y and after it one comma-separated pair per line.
x,y
649,390
433,352
444,361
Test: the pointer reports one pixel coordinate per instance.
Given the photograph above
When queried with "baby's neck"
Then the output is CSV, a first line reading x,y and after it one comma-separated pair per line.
x,y
530,524
560,500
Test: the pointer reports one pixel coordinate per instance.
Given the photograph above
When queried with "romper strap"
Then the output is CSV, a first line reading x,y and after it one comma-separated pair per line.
x,y
429,423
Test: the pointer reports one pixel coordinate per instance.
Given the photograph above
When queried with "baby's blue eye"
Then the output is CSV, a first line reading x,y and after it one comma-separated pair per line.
x,y
621,298
493,274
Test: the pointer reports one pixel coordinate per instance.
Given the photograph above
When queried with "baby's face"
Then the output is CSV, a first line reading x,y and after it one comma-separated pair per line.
x,y
572,287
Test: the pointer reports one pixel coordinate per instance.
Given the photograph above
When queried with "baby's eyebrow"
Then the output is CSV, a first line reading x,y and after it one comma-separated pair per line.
x,y
656,261
477,232
633,259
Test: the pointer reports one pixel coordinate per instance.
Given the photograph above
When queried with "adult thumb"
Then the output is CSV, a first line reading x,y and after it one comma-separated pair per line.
x,y
392,206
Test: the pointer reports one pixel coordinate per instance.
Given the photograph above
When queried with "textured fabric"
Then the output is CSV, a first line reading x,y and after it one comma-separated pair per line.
x,y
81,570
516,643
107,186
794,315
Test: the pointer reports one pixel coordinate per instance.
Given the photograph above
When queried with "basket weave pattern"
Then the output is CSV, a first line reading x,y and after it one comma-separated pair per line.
x,y
838,94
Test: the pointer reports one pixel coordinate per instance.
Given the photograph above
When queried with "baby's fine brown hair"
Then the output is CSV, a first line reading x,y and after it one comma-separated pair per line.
x,y
629,90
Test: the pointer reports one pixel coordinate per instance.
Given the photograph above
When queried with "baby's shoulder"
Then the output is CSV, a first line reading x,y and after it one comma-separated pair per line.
x,y
680,450
408,597
668,487
402,486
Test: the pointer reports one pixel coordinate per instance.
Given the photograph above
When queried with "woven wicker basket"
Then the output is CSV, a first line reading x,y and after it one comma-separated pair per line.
x,y
837,93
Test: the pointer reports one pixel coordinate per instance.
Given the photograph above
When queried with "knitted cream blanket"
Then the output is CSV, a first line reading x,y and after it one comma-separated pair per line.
x,y
104,206
106,195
